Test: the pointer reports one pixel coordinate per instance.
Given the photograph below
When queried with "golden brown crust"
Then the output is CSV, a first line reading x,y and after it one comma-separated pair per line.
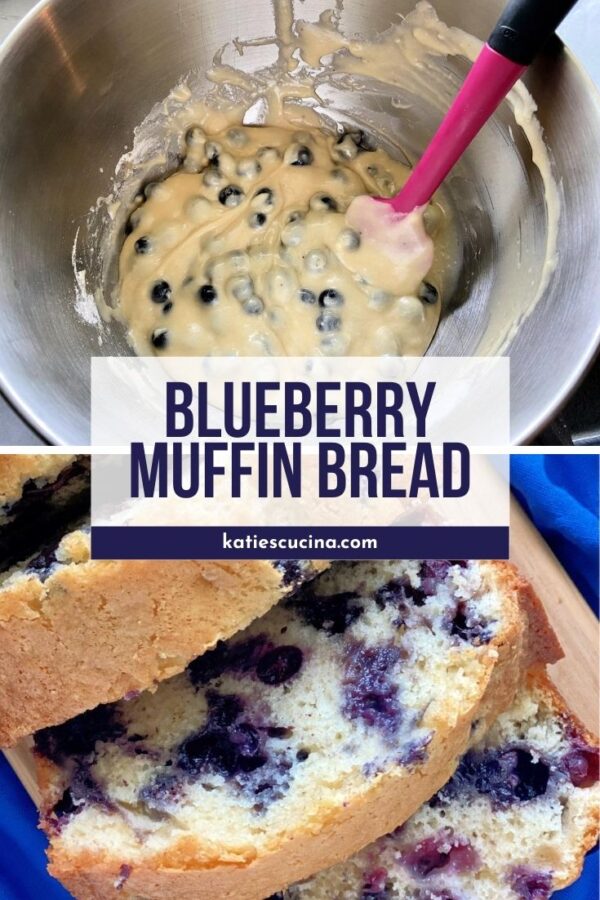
x,y
17,468
538,647
96,631
543,646
334,833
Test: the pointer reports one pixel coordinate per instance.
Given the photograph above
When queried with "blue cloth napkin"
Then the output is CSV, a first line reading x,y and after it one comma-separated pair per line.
x,y
560,493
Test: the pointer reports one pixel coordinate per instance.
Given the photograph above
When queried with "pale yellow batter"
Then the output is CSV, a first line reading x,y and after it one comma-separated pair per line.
x,y
249,250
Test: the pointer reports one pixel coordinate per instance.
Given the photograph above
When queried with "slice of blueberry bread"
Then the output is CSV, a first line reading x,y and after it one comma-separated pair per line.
x,y
513,823
48,488
76,632
319,728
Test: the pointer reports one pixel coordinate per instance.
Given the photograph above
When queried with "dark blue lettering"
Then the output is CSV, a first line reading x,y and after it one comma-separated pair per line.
x,y
158,470
332,467
178,402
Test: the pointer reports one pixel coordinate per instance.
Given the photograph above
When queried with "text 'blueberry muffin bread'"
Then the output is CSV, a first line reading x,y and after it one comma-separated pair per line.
x,y
319,728
513,823
76,632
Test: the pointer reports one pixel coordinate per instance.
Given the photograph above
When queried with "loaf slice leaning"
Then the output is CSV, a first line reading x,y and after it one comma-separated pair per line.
x,y
76,632
321,727
514,822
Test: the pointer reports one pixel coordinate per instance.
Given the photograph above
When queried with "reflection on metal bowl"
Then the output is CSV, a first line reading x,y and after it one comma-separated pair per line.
x,y
78,76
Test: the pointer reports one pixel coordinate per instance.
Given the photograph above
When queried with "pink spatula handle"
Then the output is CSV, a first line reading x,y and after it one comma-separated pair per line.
x,y
521,31
487,84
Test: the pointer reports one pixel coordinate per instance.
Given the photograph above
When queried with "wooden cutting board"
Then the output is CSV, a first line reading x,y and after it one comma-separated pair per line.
x,y
576,676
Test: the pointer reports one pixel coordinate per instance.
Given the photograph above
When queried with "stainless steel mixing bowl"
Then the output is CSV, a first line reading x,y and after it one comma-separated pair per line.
x,y
77,76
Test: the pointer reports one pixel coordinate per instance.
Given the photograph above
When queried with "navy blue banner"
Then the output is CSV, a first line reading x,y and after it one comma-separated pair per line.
x,y
204,542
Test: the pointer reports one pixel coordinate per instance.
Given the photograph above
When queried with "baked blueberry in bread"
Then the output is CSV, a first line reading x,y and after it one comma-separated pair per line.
x,y
76,632
322,726
513,823
39,491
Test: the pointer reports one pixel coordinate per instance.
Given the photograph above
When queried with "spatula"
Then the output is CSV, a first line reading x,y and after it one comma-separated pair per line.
x,y
521,32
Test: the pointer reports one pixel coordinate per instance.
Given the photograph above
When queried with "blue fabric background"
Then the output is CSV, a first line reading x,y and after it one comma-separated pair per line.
x,y
560,494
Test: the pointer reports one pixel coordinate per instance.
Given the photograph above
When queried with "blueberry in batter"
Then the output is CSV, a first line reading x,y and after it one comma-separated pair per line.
x,y
258,245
